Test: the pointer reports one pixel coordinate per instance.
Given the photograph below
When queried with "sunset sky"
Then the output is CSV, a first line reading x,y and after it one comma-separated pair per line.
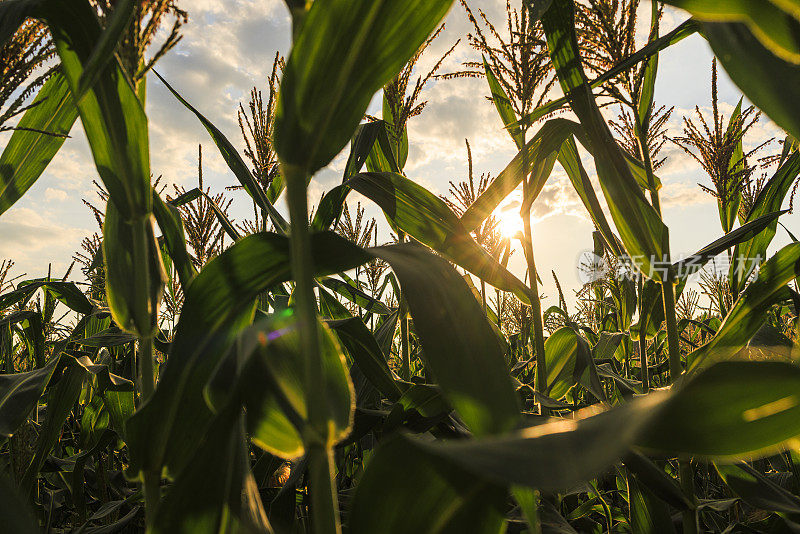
x,y
228,49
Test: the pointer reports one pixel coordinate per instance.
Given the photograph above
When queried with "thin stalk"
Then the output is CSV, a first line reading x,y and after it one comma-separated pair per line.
x,y
673,343
675,368
687,485
405,350
324,509
499,311
146,367
645,367
483,296
536,310
147,384
533,279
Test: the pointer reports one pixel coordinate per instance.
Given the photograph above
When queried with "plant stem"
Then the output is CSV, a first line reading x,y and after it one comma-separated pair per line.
x,y
675,367
146,368
687,485
675,370
323,500
673,341
533,278
405,349
147,384
536,310
643,344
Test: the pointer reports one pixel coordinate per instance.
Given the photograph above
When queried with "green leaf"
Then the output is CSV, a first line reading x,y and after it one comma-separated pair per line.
x,y
402,477
219,494
649,514
736,166
648,89
425,217
553,455
769,200
751,66
169,221
132,313
476,383
641,230
65,292
19,395
219,305
708,416
503,105
235,163
773,26
364,349
17,516
278,361
38,138
571,162
748,231
106,46
345,51
395,152
370,146
757,490
381,157
356,296
569,362
60,402
713,416
111,113
657,481
749,311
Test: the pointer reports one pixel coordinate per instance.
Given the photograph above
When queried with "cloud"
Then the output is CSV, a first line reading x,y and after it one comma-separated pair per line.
x,y
35,238
51,194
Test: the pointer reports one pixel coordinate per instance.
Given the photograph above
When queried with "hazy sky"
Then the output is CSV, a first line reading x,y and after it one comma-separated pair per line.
x,y
228,49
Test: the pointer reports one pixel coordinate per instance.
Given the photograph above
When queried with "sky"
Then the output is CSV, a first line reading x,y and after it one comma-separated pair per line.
x,y
228,48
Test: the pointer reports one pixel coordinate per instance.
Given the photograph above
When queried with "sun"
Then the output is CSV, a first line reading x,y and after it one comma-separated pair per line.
x,y
510,223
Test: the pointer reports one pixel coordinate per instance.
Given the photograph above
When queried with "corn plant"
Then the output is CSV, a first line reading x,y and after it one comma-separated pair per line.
x,y
219,377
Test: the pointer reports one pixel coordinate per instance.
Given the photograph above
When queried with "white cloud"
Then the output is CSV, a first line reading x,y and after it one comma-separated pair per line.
x,y
51,194
35,238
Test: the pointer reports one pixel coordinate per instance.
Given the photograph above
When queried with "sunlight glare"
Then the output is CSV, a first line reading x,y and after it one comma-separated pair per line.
x,y
510,223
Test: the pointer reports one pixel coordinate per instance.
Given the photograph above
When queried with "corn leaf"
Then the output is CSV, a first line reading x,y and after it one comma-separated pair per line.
x,y
757,490
235,163
403,477
365,351
219,304
476,383
345,51
219,495
19,395
130,312
769,200
749,311
424,216
752,66
569,362
111,113
707,416
641,230
39,136
770,23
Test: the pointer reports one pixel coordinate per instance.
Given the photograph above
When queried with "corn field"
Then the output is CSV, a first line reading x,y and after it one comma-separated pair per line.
x,y
304,371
